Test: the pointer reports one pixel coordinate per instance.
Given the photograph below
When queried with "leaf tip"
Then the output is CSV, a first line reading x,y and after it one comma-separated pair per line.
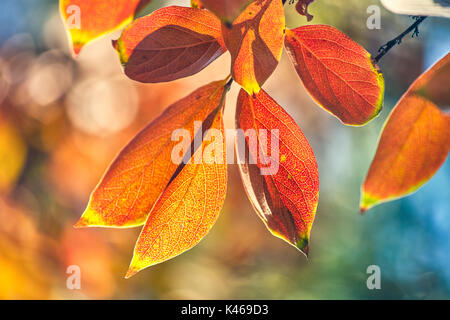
x,y
137,264
303,245
76,49
367,201
131,272
89,218
81,224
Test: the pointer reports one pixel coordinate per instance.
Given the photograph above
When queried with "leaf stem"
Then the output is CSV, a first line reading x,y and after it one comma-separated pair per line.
x,y
397,40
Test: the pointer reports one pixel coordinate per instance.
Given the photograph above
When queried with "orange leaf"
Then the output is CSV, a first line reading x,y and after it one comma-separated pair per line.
x,y
188,208
285,199
87,20
337,72
255,41
171,43
414,142
226,10
433,84
142,170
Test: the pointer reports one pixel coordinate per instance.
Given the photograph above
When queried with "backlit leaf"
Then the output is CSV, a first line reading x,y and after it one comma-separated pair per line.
x,y
170,43
337,72
434,84
285,199
188,208
226,10
87,20
255,41
415,140
139,174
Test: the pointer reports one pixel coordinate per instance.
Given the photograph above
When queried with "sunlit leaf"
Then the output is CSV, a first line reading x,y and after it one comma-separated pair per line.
x,y
87,20
144,167
285,197
171,43
337,72
189,207
255,41
226,10
415,140
419,7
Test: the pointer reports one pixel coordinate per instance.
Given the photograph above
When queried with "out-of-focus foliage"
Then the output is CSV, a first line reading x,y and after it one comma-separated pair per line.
x,y
74,116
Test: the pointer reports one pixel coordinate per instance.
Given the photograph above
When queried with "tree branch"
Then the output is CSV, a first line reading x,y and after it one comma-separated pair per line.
x,y
397,40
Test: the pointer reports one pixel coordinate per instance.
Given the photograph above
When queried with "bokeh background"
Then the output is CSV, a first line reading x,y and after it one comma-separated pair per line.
x,y
62,121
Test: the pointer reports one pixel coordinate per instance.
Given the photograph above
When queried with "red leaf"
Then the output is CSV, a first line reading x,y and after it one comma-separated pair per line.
x,y
285,199
142,170
337,72
415,140
87,20
171,43
255,41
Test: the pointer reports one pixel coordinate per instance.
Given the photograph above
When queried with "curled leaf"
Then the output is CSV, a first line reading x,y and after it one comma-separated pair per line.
x,y
415,140
286,197
337,72
189,207
87,20
302,8
170,43
255,42
141,171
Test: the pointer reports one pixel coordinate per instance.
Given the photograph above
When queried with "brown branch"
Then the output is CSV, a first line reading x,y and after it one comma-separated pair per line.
x,y
397,40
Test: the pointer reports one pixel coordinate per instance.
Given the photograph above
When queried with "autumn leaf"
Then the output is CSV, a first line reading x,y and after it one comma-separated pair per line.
x,y
433,84
189,207
87,20
414,142
285,199
226,10
337,72
142,170
170,43
255,41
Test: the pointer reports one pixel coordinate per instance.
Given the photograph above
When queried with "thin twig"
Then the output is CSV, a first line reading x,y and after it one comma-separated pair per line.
x,y
397,40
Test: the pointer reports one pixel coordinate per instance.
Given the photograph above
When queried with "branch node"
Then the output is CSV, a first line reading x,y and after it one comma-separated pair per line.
x,y
414,28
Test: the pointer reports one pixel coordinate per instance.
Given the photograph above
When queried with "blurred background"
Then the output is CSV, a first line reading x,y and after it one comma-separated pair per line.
x,y
62,121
